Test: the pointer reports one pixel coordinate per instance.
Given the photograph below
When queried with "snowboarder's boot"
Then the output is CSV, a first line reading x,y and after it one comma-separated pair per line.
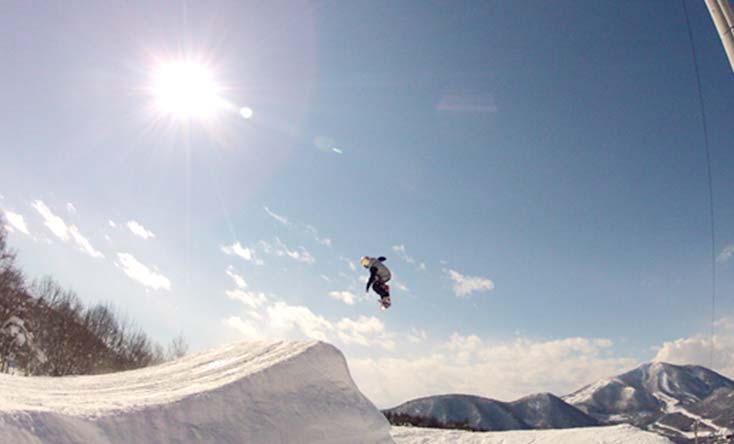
x,y
385,302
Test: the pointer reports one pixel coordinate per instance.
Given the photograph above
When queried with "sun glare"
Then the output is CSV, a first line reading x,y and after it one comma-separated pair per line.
x,y
186,90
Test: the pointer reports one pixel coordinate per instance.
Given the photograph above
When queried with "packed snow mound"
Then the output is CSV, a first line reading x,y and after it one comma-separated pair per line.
x,y
283,392
621,434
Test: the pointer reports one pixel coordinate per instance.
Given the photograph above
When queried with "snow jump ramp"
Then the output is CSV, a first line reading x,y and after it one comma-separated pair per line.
x,y
283,392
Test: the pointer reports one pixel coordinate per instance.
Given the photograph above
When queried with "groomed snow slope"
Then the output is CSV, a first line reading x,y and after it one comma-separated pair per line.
x,y
284,392
620,434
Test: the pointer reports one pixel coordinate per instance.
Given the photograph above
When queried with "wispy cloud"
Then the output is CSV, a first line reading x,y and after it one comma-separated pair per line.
x,y
417,336
16,222
280,249
67,233
282,219
70,208
250,298
140,273
465,285
303,228
400,250
403,254
400,286
139,230
345,296
111,223
350,263
83,244
239,281
54,223
236,249
315,234
725,254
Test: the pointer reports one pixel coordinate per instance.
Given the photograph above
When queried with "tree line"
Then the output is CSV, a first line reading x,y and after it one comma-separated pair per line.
x,y
47,330
408,420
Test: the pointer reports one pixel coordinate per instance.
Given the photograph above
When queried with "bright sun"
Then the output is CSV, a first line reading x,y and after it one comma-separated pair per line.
x,y
186,90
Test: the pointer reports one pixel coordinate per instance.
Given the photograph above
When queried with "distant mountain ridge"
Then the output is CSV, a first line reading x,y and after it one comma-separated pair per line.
x,y
540,411
672,400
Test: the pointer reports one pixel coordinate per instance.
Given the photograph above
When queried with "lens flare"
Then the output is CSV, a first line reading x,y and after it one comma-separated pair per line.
x,y
246,112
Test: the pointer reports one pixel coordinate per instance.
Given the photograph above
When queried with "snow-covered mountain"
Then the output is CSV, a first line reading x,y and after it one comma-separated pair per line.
x,y
298,392
474,412
547,411
666,398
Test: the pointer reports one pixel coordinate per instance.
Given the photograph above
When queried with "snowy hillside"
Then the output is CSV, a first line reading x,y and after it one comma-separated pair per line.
x,y
532,412
666,398
297,392
622,434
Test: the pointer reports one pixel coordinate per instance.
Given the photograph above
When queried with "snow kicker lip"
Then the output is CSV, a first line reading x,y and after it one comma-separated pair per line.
x,y
248,392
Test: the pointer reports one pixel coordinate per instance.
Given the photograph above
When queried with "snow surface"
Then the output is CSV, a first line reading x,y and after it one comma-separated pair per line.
x,y
295,392
620,434
282,392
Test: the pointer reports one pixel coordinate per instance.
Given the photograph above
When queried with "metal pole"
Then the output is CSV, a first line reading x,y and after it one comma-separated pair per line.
x,y
723,18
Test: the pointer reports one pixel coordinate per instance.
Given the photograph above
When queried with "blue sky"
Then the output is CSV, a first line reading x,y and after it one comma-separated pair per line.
x,y
533,171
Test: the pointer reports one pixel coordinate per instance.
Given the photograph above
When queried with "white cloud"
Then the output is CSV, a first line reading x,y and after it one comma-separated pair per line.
x,y
112,224
400,249
278,248
280,320
417,336
82,243
247,328
345,296
352,266
697,349
325,278
465,285
725,254
282,219
365,331
250,298
16,222
70,208
308,229
141,273
403,254
285,317
315,234
400,286
236,249
51,221
139,230
461,364
67,233
239,281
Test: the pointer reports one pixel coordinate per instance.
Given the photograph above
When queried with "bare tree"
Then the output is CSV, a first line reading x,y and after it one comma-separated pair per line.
x,y
177,348
46,330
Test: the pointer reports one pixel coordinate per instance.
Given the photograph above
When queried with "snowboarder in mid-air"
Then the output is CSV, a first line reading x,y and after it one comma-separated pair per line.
x,y
379,275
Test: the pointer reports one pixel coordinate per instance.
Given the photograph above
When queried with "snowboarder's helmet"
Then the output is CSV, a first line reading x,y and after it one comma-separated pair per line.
x,y
365,261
